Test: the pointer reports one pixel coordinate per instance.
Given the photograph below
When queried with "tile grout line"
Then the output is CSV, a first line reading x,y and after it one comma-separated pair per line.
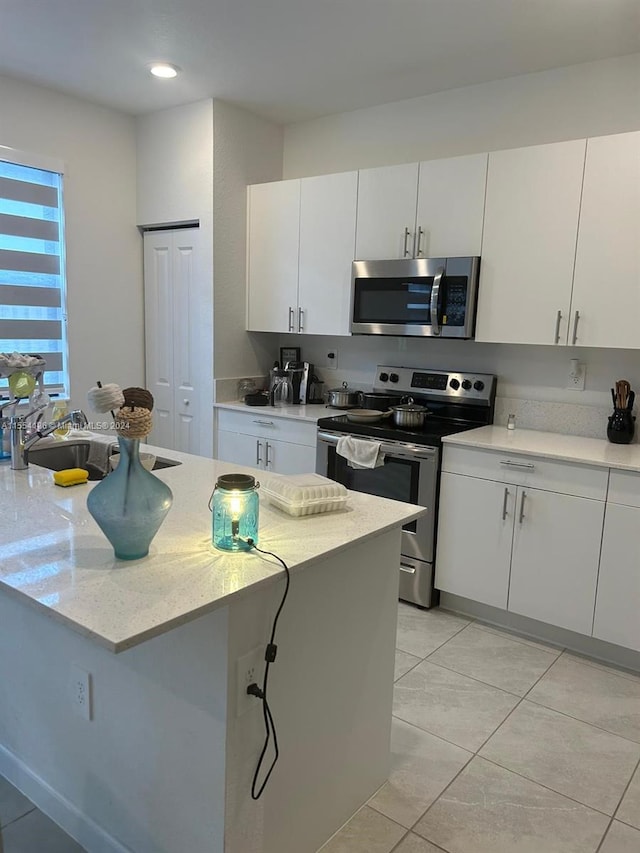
x,y
15,820
627,786
479,680
476,755
523,641
443,643
432,734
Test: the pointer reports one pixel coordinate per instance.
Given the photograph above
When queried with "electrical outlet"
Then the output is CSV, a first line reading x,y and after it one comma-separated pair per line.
x,y
577,374
332,360
80,690
250,671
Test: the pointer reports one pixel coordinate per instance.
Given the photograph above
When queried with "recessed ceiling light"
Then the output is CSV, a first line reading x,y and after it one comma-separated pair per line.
x,y
164,70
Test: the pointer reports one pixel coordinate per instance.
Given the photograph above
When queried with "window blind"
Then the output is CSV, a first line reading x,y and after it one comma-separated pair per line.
x,y
32,280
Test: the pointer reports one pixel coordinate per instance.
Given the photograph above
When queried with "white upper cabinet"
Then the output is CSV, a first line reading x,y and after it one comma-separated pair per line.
x,y
608,255
272,255
529,243
387,199
451,207
327,246
301,241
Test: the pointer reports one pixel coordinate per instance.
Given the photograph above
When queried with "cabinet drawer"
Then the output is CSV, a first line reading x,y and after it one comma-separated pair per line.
x,y
520,469
267,426
624,488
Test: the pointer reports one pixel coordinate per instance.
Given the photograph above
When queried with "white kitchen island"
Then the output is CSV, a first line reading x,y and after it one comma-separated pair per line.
x,y
165,764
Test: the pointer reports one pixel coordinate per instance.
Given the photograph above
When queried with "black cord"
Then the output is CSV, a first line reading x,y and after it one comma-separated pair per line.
x,y
254,690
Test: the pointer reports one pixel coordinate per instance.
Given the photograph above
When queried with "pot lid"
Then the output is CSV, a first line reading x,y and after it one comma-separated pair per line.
x,y
343,390
409,407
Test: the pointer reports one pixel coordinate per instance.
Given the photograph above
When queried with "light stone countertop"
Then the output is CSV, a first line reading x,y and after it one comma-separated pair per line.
x,y
550,445
55,558
310,413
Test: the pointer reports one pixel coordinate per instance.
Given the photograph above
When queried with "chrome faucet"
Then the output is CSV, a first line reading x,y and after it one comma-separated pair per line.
x,y
18,427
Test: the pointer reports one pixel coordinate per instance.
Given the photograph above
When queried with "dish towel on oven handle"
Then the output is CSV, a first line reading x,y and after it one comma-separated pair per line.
x,y
360,453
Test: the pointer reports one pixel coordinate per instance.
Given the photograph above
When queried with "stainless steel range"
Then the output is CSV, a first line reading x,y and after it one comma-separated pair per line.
x,y
411,470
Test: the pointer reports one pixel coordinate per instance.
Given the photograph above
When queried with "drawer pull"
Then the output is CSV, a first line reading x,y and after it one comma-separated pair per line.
x,y
504,504
405,567
258,449
263,423
556,337
268,459
525,466
523,496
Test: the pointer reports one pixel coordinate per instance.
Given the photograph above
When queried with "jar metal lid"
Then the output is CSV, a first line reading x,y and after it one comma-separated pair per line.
x,y
238,482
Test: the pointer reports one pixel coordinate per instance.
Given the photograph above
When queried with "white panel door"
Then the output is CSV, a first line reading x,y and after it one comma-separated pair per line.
x,y
475,530
241,449
282,457
327,249
188,365
529,243
387,200
554,566
159,337
272,256
606,287
617,618
451,206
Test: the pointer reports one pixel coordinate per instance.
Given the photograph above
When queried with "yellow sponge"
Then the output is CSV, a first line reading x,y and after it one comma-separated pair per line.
x,y
70,477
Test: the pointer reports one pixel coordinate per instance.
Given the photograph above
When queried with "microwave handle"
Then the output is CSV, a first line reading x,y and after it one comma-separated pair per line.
x,y
435,301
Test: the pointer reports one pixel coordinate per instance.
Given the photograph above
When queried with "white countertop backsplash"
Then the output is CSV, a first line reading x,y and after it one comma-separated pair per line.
x,y
564,418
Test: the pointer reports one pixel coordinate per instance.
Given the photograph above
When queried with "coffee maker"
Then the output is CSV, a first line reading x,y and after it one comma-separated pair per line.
x,y
301,379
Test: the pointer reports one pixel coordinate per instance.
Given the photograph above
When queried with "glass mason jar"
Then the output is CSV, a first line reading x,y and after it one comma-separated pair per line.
x,y
235,512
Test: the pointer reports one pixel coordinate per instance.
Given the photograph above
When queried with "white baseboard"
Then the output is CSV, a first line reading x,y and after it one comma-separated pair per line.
x,y
63,812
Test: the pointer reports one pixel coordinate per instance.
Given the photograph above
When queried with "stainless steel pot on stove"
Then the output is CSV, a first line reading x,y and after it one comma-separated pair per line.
x,y
343,398
409,415
378,400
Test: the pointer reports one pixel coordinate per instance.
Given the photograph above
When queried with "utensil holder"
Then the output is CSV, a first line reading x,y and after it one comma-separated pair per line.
x,y
621,426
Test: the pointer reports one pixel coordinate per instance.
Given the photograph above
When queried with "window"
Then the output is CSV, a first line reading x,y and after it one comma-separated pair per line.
x,y
32,269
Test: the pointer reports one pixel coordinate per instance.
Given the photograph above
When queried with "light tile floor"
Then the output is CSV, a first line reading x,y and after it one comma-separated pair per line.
x,y
499,745
502,745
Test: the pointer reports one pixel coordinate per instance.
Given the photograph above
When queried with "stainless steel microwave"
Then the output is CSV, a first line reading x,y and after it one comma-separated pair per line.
x,y
425,297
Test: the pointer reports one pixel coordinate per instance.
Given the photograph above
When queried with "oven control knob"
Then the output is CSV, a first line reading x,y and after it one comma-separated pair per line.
x,y
394,377
466,384
478,385
384,377
454,384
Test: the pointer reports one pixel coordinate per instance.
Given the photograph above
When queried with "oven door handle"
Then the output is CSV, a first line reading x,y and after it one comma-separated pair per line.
x,y
435,301
407,451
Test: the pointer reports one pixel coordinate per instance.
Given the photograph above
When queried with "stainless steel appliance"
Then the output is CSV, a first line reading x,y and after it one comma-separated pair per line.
x,y
411,470
425,297
302,380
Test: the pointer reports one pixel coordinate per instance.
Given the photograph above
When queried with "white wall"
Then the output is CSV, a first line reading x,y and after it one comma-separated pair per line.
x,y
247,150
104,248
592,99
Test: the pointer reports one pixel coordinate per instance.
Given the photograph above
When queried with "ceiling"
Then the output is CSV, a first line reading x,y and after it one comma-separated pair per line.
x,y
291,60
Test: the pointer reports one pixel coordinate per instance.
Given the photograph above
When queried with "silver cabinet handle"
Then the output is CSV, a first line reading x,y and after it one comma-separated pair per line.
x,y
405,251
258,449
504,504
264,423
290,319
435,299
521,517
556,337
268,460
419,234
300,319
575,327
526,466
405,567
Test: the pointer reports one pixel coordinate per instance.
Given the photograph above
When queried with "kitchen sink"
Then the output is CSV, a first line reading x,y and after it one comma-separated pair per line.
x,y
75,454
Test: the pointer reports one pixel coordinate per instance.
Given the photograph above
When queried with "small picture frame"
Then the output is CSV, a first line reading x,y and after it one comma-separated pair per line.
x,y
288,354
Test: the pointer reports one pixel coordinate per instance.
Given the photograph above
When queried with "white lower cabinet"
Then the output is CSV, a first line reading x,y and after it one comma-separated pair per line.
x,y
554,561
505,538
617,616
474,539
274,444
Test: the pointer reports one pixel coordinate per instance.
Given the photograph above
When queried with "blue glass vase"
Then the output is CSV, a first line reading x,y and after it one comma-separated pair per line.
x,y
130,504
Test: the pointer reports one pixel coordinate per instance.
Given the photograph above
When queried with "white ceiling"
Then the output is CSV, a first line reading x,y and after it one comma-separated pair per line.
x,y
295,59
